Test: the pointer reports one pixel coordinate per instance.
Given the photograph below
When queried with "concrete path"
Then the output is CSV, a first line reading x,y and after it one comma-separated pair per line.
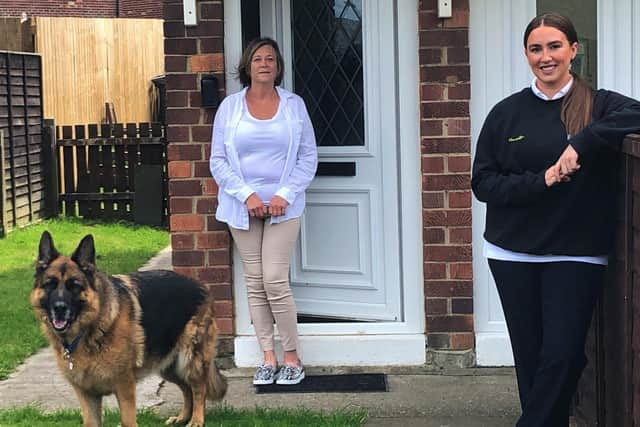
x,y
416,397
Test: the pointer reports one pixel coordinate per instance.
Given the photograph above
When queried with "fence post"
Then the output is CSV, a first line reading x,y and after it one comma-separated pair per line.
x,y
50,162
3,183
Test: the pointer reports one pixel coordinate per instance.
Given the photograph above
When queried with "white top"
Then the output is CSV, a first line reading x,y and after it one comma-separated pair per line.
x,y
262,149
299,166
496,252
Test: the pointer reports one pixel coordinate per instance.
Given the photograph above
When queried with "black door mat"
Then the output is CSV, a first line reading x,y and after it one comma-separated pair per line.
x,y
350,383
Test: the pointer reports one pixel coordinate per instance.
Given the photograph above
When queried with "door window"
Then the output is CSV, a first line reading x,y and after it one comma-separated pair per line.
x,y
327,68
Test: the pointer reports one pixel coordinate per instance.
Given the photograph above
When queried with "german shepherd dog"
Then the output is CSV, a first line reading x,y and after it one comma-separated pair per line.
x,y
108,332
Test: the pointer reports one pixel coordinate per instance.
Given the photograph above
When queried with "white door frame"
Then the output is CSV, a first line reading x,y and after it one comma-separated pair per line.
x,y
380,343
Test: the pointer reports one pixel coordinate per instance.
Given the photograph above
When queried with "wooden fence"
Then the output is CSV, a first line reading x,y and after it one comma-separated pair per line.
x,y
111,171
21,172
609,391
88,62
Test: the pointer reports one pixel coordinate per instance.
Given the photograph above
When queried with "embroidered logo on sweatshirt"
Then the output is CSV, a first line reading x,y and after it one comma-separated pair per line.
x,y
516,138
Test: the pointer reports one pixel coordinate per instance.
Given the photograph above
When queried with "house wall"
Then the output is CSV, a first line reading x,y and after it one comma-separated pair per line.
x,y
201,245
446,178
83,8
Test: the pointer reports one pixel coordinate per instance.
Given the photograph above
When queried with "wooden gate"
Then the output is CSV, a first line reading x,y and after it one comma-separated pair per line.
x,y
113,172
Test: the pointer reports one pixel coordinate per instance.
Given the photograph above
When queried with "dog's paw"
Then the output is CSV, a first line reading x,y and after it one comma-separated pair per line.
x,y
195,424
175,420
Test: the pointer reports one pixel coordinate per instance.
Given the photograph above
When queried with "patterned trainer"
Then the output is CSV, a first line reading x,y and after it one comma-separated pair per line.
x,y
265,374
290,375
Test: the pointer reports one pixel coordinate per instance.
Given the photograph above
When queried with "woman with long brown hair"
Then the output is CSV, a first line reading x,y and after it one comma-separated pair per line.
x,y
545,165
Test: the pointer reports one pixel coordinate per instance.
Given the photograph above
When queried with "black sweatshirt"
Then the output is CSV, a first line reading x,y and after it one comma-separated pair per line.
x,y
521,138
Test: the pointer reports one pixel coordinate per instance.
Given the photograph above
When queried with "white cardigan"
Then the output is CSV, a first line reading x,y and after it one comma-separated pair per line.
x,y
299,169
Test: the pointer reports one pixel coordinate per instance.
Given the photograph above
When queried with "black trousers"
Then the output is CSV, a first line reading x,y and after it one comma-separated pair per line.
x,y
548,309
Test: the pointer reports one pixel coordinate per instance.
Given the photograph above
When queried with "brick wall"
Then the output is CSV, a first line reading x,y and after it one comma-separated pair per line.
x,y
201,245
446,165
83,8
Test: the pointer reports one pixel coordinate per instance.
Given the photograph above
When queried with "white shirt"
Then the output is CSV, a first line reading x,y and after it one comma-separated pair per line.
x,y
299,167
496,252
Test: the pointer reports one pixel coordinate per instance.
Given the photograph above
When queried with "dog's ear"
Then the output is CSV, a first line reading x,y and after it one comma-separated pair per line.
x,y
47,252
85,255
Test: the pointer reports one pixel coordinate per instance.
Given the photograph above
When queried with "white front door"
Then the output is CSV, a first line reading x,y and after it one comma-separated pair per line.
x,y
347,261
357,265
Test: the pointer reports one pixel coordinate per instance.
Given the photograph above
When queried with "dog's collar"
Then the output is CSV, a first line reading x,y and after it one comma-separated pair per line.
x,y
68,349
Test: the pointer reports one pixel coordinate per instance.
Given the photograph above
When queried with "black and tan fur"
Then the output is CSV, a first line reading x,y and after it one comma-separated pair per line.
x,y
128,326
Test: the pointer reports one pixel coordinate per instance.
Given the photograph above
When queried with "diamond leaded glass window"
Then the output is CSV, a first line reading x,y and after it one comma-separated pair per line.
x,y
327,68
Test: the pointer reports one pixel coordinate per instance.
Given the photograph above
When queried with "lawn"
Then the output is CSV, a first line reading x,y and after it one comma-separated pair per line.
x,y
120,248
219,417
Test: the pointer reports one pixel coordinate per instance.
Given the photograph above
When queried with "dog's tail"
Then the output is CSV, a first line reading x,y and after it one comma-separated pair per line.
x,y
216,383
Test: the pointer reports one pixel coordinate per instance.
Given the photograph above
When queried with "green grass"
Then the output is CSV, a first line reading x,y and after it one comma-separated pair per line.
x,y
220,417
120,248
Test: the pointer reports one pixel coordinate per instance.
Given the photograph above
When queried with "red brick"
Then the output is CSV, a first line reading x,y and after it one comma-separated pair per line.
x,y
205,206
432,110
445,145
430,56
214,224
182,241
195,99
177,99
459,199
188,258
446,182
436,306
209,187
445,73
463,341
201,133
457,127
460,91
435,270
225,325
183,115
180,205
220,292
201,169
182,82
431,127
211,11
212,240
175,63
177,134
431,164
174,29
179,169
184,152
457,55
448,288
223,308
207,62
428,19
180,46
186,223
459,19
206,29
460,323
459,164
173,12
433,200
211,44
192,187
438,341
462,270
220,257
432,92
460,235
444,38
448,253
444,218
218,274
433,235
462,305
185,271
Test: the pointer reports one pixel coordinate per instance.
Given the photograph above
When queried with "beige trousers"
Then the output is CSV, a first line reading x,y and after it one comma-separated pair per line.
x,y
265,250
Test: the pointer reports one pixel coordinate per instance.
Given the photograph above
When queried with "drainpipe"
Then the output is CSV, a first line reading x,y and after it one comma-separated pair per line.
x,y
117,8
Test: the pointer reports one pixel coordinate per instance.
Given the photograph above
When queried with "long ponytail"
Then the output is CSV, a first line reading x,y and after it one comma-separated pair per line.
x,y
577,106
